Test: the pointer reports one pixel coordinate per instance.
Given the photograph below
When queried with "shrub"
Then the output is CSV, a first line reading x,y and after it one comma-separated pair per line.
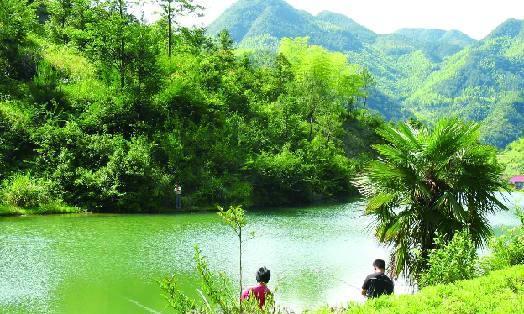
x,y
6,210
506,250
23,191
56,207
520,213
217,290
217,294
280,178
450,262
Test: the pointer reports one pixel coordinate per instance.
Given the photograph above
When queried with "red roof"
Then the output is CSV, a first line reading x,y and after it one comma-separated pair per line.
x,y
516,179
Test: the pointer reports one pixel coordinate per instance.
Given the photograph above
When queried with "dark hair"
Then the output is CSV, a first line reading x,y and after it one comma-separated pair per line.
x,y
263,275
380,264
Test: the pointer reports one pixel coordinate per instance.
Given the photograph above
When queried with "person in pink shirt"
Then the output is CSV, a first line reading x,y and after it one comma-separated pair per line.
x,y
261,291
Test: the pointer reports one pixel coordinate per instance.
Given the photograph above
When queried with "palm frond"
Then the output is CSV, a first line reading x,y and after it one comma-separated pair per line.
x,y
430,180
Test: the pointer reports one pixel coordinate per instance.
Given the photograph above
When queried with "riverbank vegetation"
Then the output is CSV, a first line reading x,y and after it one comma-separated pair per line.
x,y
47,209
501,291
111,112
25,195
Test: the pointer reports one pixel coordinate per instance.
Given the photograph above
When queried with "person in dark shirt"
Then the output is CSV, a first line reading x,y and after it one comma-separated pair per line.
x,y
378,283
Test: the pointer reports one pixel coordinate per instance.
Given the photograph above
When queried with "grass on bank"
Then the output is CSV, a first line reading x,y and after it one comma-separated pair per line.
x,y
24,194
47,209
501,291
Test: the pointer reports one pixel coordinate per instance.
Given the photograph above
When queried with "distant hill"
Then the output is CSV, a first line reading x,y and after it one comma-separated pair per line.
x,y
483,82
271,20
425,73
435,43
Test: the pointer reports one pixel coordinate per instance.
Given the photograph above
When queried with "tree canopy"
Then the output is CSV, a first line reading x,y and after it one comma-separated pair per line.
x,y
109,112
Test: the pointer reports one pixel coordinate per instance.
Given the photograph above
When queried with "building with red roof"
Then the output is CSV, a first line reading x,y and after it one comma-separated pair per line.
x,y
518,182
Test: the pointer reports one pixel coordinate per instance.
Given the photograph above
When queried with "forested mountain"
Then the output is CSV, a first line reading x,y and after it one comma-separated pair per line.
x,y
425,73
267,21
483,82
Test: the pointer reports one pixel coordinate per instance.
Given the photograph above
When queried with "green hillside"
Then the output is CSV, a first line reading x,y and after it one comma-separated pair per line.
x,y
435,43
426,73
483,82
105,112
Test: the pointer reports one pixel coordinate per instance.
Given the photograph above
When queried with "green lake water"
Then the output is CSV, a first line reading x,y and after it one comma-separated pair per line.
x,y
110,263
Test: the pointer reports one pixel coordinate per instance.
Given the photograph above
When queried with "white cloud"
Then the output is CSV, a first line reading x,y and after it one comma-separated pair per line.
x,y
473,17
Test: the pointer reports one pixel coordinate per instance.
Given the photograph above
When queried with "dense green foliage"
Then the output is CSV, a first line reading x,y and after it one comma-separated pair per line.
x,y
499,292
23,194
110,113
506,250
24,191
418,72
458,259
513,159
449,262
430,181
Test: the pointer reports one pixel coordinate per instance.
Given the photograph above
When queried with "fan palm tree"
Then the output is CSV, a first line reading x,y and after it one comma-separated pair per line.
x,y
428,182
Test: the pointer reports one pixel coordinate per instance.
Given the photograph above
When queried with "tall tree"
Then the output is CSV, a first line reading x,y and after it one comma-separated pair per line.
x,y
110,34
122,12
430,182
172,9
325,82
61,11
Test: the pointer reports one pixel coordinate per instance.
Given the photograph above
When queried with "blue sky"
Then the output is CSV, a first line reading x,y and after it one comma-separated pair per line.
x,y
473,17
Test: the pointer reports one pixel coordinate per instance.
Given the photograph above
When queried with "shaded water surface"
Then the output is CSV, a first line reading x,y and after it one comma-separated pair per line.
x,y
110,263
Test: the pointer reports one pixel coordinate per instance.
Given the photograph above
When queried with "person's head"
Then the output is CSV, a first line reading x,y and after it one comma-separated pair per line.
x,y
380,265
263,275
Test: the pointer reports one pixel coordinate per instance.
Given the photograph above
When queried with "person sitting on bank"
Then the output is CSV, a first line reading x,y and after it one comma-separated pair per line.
x,y
378,283
261,291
